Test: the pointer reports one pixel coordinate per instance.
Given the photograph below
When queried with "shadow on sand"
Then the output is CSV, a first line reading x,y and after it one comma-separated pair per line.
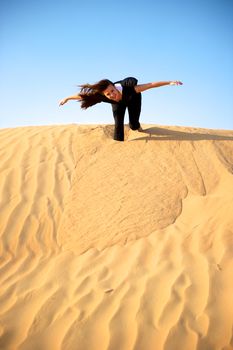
x,y
155,133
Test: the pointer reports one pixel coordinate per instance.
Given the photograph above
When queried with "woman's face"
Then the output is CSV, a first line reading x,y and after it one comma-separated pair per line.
x,y
112,93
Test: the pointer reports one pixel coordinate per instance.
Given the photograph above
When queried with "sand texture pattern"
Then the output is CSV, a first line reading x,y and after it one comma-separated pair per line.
x,y
108,245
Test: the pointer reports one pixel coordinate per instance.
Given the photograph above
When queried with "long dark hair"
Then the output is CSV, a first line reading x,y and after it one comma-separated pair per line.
x,y
92,93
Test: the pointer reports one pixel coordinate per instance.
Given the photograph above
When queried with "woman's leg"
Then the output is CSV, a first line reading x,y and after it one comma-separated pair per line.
x,y
134,109
118,114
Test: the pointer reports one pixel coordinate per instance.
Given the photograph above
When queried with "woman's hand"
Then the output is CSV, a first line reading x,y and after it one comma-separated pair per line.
x,y
176,82
62,102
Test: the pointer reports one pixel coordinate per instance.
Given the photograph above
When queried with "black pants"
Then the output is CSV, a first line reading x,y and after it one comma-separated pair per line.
x,y
134,110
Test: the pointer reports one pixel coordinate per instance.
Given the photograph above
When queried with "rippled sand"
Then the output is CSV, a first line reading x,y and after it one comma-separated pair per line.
x,y
116,245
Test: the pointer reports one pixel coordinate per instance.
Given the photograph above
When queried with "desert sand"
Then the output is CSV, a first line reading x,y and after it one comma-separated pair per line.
x,y
110,245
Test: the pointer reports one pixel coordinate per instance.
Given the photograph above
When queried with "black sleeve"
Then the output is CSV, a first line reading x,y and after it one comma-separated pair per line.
x,y
129,82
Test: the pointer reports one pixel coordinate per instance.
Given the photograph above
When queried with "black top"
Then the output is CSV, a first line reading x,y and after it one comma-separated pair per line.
x,y
127,91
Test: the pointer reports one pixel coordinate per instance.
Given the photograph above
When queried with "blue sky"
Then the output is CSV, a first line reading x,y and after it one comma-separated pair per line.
x,y
48,47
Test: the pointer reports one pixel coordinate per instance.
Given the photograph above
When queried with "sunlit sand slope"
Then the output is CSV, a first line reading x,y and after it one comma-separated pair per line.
x,y
116,245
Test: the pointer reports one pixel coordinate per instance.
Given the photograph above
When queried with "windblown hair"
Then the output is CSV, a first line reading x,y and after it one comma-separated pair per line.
x,y
92,94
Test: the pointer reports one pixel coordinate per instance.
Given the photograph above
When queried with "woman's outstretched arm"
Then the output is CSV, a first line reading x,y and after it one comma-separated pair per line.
x,y
66,99
143,87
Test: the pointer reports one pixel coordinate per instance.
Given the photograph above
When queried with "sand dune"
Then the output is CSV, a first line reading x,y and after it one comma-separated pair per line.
x,y
118,246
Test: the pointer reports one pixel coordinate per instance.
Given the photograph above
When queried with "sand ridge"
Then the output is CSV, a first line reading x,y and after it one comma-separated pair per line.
x,y
108,245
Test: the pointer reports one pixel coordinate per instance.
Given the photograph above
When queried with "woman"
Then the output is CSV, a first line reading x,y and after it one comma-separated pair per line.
x,y
121,94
